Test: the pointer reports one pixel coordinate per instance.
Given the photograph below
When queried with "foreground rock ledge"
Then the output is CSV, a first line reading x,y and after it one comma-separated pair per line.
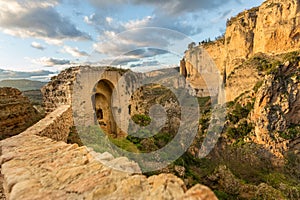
x,y
37,167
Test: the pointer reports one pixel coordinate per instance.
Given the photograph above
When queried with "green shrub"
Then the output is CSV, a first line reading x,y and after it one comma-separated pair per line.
x,y
142,120
204,101
265,64
242,130
292,56
222,195
239,112
257,86
292,132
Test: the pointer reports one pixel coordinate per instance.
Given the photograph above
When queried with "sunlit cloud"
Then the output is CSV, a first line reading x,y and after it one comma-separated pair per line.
x,y
37,45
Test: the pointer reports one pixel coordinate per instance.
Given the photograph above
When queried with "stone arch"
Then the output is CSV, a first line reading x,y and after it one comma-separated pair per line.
x,y
103,108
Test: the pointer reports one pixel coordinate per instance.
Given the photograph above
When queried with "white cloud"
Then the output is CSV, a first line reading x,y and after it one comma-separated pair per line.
x,y
109,20
170,7
75,52
50,62
89,19
132,24
41,75
37,45
38,19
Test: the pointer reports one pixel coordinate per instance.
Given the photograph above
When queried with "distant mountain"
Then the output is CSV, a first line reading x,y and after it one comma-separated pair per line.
x,y
22,84
40,75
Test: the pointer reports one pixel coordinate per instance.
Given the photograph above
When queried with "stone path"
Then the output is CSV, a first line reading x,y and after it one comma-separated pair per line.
x,y
37,167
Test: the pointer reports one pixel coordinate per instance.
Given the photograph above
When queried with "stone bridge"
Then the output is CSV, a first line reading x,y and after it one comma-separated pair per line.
x,y
39,164
36,164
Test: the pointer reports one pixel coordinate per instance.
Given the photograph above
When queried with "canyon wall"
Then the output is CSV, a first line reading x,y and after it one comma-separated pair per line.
x,y
16,112
277,107
272,28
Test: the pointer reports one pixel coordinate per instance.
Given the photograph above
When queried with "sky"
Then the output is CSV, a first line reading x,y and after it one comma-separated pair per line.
x,y
43,37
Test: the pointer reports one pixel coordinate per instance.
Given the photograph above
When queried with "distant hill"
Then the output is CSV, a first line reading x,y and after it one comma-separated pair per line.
x,y
22,84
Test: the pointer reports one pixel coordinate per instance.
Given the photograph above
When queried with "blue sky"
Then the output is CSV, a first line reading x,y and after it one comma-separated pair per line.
x,y
52,35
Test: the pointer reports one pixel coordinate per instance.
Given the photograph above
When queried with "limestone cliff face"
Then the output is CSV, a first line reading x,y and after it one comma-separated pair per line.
x,y
201,72
277,107
277,28
272,28
16,112
239,38
241,80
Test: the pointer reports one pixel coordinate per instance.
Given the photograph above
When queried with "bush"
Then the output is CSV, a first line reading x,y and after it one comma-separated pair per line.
x,y
239,112
292,56
292,132
265,64
241,131
257,86
222,195
142,120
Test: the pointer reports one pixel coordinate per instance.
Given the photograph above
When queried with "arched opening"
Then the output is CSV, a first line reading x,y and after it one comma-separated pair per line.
x,y
103,108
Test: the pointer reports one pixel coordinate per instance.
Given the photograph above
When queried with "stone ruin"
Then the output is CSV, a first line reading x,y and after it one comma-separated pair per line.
x,y
38,164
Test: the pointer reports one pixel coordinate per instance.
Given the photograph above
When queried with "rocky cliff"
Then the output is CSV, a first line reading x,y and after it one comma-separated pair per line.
x,y
16,112
272,28
276,113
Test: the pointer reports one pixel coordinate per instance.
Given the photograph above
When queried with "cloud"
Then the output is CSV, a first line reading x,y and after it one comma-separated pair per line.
x,y
75,52
146,64
133,36
38,19
89,19
135,58
170,7
42,75
146,52
50,62
123,60
37,45
115,44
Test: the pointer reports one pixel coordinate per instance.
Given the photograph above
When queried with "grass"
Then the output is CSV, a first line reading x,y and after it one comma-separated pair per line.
x,y
125,144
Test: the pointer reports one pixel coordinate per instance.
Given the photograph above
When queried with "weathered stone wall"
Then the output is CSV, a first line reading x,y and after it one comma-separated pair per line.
x,y
59,90
55,125
16,112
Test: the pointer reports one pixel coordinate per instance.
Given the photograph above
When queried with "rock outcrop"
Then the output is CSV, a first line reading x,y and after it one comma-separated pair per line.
x,y
277,106
234,186
272,28
16,112
277,27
